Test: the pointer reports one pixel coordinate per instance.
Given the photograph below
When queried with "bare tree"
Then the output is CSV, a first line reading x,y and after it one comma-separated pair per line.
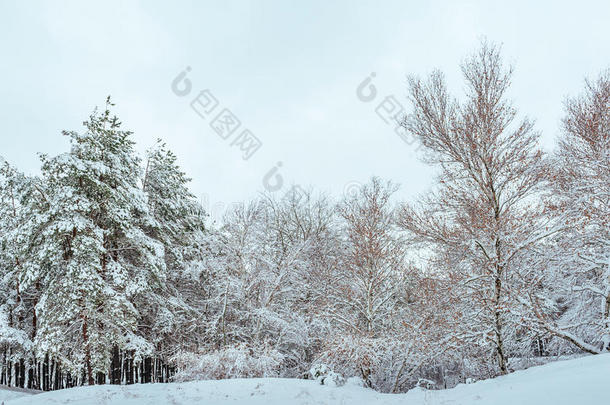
x,y
578,263
373,259
484,212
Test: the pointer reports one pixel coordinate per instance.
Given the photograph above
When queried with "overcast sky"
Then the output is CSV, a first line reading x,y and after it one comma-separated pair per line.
x,y
287,70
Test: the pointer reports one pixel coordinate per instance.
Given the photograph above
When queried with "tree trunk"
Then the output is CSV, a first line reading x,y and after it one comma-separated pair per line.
x,y
90,378
498,327
115,366
129,367
147,370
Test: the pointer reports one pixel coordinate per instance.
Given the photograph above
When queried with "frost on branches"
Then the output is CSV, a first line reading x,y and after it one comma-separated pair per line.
x,y
574,301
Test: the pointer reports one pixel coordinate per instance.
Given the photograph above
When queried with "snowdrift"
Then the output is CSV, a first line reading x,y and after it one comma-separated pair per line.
x,y
582,381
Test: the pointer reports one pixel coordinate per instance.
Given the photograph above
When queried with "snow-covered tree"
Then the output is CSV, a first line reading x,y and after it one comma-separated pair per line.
x,y
179,217
575,301
99,262
483,215
370,295
178,223
261,265
370,274
17,314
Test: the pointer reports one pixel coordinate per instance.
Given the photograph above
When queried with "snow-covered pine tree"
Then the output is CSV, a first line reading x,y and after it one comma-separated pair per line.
x,y
179,217
100,262
179,223
16,309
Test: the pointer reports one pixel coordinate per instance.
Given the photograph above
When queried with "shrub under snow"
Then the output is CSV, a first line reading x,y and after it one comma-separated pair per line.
x,y
325,376
240,361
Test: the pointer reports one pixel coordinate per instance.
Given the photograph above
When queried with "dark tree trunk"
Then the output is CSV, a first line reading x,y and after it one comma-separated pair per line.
x,y
21,373
32,377
115,377
147,370
129,368
58,377
87,353
45,373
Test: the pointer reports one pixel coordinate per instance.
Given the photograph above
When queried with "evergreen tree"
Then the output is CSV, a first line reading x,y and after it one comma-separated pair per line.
x,y
100,262
178,223
16,332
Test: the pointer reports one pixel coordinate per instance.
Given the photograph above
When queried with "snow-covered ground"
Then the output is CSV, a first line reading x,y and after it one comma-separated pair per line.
x,y
582,381
7,393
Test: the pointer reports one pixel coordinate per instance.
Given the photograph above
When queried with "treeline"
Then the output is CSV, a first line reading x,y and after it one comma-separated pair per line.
x,y
108,274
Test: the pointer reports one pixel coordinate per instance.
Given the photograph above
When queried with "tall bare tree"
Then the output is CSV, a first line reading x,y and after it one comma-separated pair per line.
x,y
484,211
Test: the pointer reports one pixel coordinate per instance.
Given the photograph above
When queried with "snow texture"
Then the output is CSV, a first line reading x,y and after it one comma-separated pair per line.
x,y
578,381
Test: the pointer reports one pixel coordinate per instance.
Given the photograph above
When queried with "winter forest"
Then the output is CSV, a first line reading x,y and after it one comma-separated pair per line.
x,y
111,274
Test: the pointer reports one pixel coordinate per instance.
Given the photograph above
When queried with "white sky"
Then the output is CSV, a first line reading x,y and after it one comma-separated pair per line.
x,y
288,70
